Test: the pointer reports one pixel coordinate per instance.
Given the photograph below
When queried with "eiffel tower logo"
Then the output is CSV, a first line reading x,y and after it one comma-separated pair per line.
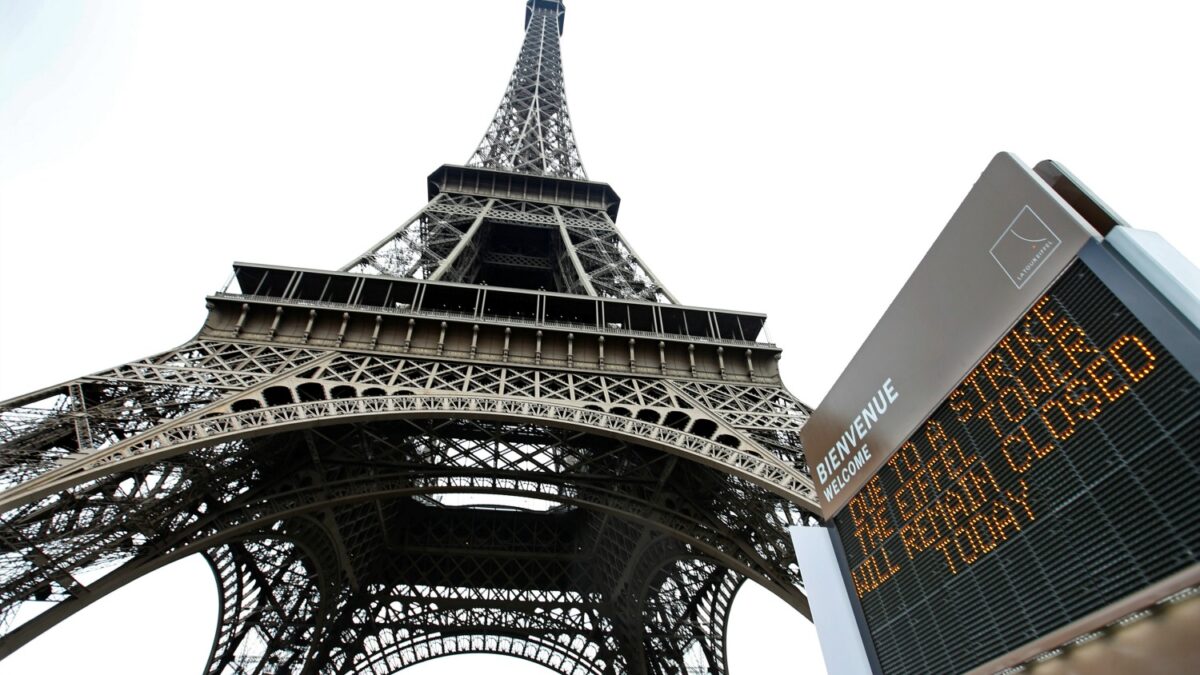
x,y
495,430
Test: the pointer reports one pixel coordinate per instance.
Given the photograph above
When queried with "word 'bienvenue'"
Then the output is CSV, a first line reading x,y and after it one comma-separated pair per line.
x,y
848,456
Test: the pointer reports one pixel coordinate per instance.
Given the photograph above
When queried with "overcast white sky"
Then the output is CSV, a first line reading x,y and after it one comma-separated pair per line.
x,y
790,157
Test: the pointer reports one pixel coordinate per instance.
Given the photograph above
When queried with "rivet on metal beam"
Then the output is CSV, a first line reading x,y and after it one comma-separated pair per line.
x,y
312,317
241,319
342,331
412,323
275,323
375,334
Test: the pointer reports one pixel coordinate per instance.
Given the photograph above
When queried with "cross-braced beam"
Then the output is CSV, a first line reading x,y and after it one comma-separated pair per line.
x,y
531,131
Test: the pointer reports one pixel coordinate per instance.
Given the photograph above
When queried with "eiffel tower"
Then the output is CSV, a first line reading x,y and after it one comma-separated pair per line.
x,y
495,431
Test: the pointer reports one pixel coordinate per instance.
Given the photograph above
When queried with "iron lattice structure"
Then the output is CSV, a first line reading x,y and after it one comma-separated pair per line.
x,y
495,431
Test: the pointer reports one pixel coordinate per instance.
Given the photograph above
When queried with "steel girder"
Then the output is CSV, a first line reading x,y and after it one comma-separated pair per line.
x,y
163,406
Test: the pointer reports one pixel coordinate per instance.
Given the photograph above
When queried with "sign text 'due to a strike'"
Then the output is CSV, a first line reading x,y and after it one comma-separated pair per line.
x,y
1040,384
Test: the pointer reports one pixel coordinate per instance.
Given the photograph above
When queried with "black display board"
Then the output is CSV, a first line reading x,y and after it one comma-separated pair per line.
x,y
1062,473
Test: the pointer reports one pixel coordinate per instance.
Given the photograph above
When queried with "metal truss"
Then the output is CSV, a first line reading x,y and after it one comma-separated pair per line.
x,y
719,424
455,236
314,531
46,429
380,474
531,131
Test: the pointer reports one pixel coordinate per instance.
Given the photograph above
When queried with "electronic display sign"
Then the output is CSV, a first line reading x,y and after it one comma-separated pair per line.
x,y
1008,240
1060,475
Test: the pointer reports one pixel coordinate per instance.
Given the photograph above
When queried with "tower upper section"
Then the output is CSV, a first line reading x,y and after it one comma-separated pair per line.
x,y
522,214
531,132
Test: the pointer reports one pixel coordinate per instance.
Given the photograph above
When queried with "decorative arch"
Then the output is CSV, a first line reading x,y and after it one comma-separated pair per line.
x,y
199,431
695,478
215,525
